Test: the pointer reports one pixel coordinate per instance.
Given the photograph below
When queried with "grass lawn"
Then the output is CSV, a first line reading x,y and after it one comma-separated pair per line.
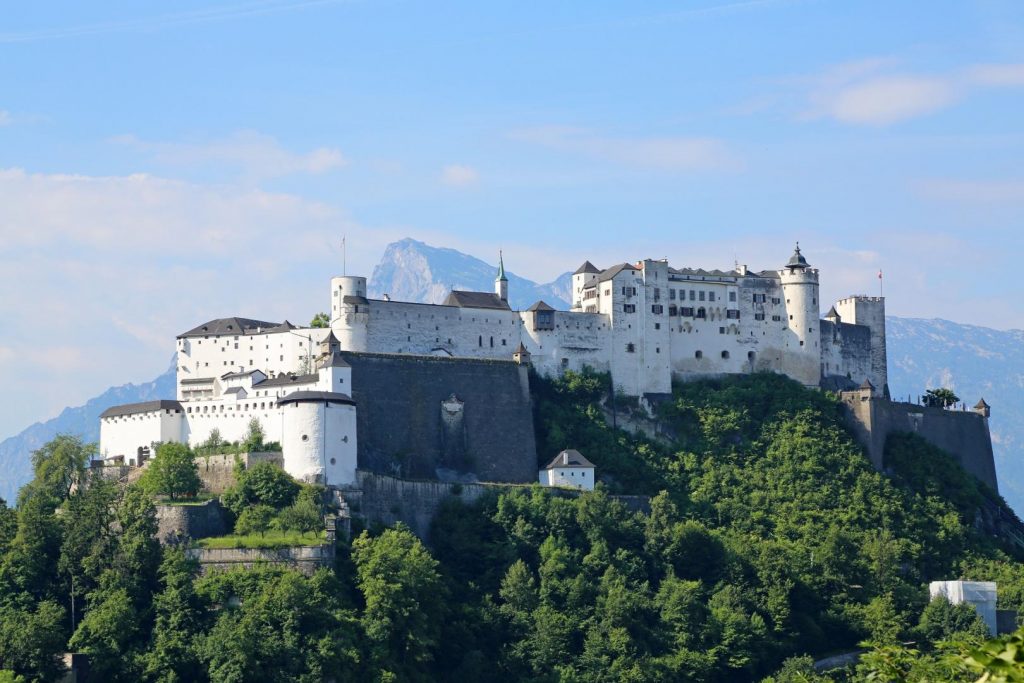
x,y
272,539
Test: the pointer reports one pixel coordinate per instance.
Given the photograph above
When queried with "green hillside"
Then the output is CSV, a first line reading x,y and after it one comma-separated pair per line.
x,y
769,537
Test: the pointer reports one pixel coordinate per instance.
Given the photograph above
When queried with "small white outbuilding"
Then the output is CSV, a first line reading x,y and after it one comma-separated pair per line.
x,y
569,469
979,594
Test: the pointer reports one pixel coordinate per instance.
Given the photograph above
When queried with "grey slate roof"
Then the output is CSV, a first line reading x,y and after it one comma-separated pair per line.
x,y
283,380
234,390
233,326
476,300
797,260
832,313
354,300
609,273
199,380
569,458
313,396
587,267
866,384
139,408
981,404
540,306
236,375
334,360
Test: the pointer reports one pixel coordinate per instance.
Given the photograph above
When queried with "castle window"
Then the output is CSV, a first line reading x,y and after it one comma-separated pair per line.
x,y
657,326
776,318
492,342
711,296
725,355
333,461
791,317
504,342
701,313
671,294
732,296
721,330
776,300
751,356
698,355
702,295
733,313
801,342
305,437
480,341
686,311
693,295
759,316
657,309
629,308
657,349
672,310
630,347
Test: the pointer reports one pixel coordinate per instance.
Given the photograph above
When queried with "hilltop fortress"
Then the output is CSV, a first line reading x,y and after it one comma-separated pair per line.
x,y
442,391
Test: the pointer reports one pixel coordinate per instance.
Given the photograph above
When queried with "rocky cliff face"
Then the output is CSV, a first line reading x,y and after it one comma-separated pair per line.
x,y
973,361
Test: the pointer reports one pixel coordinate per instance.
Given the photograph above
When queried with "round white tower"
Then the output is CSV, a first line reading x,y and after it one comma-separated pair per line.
x,y
350,312
802,359
318,437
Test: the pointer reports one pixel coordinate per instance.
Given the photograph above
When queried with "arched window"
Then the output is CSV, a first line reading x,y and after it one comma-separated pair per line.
x,y
492,342
725,354
702,312
480,341
698,355
751,356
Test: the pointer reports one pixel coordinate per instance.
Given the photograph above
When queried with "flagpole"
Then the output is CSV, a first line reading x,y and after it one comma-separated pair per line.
x,y
880,291
344,258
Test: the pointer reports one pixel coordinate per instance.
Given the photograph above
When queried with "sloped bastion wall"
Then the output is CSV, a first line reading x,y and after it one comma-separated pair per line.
x,y
422,417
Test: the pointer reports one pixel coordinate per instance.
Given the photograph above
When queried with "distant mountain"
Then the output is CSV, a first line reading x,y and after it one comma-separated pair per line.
x,y
973,361
414,271
15,461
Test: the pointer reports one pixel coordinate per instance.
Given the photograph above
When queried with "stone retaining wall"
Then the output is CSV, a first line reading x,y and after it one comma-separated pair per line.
x,y
306,559
190,521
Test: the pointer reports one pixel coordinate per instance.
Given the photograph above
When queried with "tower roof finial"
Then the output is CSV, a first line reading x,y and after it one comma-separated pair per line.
x,y
797,260
501,268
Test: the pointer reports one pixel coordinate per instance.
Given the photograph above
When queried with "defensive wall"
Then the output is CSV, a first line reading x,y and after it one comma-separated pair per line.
x,y
305,559
962,434
383,499
424,417
218,471
190,521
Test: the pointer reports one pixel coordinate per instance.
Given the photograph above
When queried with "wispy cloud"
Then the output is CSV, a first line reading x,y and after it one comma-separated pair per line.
x,y
255,155
457,175
873,92
662,153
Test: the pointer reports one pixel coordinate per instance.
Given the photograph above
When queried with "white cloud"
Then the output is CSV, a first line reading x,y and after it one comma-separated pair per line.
x,y
103,272
869,92
457,175
255,155
662,153
883,101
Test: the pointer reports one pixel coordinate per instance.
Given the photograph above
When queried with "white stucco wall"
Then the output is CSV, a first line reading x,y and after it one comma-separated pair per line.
x,y
571,477
125,434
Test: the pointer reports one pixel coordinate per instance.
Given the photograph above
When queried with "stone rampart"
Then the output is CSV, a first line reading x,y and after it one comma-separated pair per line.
x,y
382,499
190,521
962,434
458,419
218,471
305,559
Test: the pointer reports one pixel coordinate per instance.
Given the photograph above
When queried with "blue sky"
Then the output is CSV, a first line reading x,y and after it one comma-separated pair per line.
x,y
159,168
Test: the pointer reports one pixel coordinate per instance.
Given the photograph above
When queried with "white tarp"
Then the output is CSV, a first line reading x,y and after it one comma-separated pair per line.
x,y
980,594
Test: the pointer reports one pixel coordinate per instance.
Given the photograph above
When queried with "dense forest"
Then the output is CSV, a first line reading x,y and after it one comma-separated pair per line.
x,y
770,540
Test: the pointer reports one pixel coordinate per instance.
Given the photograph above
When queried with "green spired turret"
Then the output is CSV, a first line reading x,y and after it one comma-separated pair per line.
x,y
501,282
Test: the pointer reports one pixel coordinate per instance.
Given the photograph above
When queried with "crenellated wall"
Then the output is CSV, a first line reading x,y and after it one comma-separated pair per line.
x,y
962,434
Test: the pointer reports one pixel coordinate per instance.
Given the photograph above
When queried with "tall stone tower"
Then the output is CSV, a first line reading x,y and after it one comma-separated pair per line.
x,y
350,312
802,359
501,282
869,311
